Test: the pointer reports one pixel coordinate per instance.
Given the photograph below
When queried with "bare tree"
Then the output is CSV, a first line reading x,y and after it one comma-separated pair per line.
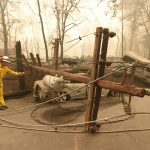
x,y
3,5
43,32
137,14
6,22
63,10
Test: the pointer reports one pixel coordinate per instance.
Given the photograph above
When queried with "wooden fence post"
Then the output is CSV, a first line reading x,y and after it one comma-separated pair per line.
x,y
33,58
26,62
38,60
19,64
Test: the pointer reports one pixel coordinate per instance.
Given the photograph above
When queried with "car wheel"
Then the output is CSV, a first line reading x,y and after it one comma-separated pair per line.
x,y
63,97
38,94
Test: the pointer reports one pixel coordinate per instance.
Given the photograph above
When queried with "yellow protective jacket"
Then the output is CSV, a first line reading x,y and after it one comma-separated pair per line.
x,y
3,72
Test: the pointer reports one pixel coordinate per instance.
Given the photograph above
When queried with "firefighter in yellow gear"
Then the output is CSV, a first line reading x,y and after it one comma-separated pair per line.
x,y
4,70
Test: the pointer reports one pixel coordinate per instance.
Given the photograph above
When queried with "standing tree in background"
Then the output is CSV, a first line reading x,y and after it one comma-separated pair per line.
x,y
6,21
145,23
63,10
137,14
3,5
43,32
136,21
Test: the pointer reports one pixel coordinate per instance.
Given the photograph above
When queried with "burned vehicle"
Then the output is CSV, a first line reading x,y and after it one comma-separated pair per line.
x,y
53,86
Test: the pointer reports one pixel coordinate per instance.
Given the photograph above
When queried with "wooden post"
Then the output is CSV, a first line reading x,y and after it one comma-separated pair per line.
x,y
92,88
56,51
38,60
33,58
26,62
101,70
19,64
